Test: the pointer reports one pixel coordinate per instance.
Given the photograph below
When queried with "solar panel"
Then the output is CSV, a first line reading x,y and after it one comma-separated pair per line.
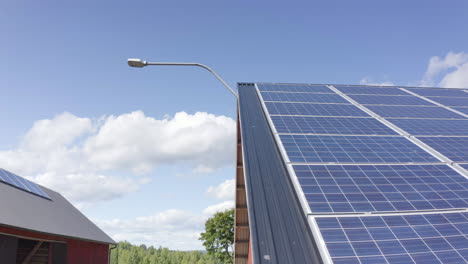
x,y
433,127
461,109
389,100
426,238
455,148
439,92
369,188
330,125
21,183
370,90
303,97
294,88
313,109
366,149
451,101
374,188
413,111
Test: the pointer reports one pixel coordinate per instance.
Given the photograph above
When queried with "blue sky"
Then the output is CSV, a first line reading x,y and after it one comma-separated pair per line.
x,y
76,118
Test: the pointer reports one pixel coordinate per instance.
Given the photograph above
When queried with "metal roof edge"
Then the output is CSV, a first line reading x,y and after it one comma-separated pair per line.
x,y
279,229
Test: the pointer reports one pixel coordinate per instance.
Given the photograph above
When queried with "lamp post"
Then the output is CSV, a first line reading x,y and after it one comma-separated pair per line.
x,y
138,63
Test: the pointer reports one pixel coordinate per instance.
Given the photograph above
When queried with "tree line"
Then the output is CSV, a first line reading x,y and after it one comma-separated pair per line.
x,y
218,240
126,253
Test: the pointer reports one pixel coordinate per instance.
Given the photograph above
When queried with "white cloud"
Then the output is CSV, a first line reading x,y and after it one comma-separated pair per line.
x,y
79,156
175,229
224,191
139,142
213,209
369,81
450,71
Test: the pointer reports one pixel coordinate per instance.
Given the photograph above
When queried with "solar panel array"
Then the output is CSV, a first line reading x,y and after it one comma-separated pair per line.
x,y
369,163
21,183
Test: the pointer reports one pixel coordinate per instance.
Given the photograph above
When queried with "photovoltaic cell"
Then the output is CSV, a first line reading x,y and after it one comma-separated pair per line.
x,y
433,127
313,109
294,88
439,92
370,90
21,183
413,111
420,239
455,148
330,125
365,149
381,188
390,100
464,166
451,101
303,97
461,109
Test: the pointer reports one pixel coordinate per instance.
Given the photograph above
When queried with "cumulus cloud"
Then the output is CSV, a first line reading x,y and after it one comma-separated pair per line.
x,y
139,142
220,207
176,229
450,71
79,155
224,191
369,81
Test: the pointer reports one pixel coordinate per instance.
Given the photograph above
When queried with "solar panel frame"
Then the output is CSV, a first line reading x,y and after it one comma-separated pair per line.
x,y
21,183
310,88
451,101
381,188
406,238
455,148
461,109
303,97
429,112
330,125
311,109
353,149
434,92
432,127
389,100
372,90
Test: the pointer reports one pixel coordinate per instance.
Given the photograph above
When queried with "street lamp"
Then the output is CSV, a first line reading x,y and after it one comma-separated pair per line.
x,y
138,63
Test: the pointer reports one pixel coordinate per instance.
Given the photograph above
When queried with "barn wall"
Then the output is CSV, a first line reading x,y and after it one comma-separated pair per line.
x,y
78,252
81,252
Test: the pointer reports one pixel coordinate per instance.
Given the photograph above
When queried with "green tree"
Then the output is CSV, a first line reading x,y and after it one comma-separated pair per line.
x,y
218,237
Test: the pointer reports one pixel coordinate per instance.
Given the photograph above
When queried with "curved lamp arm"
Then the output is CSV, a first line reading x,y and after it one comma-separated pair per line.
x,y
141,63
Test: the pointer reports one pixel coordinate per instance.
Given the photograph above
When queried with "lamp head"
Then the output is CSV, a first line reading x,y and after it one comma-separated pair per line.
x,y
136,63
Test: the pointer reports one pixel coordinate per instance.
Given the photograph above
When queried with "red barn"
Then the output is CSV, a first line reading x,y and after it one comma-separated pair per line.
x,y
38,225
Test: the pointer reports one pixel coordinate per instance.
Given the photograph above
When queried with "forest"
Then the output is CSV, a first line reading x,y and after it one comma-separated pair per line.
x,y
126,253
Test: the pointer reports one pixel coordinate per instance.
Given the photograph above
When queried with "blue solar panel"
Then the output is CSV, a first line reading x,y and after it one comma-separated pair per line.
x,y
373,149
21,183
314,109
389,100
439,92
455,148
303,97
451,101
433,127
377,188
370,90
461,109
421,239
464,166
413,111
294,88
330,125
